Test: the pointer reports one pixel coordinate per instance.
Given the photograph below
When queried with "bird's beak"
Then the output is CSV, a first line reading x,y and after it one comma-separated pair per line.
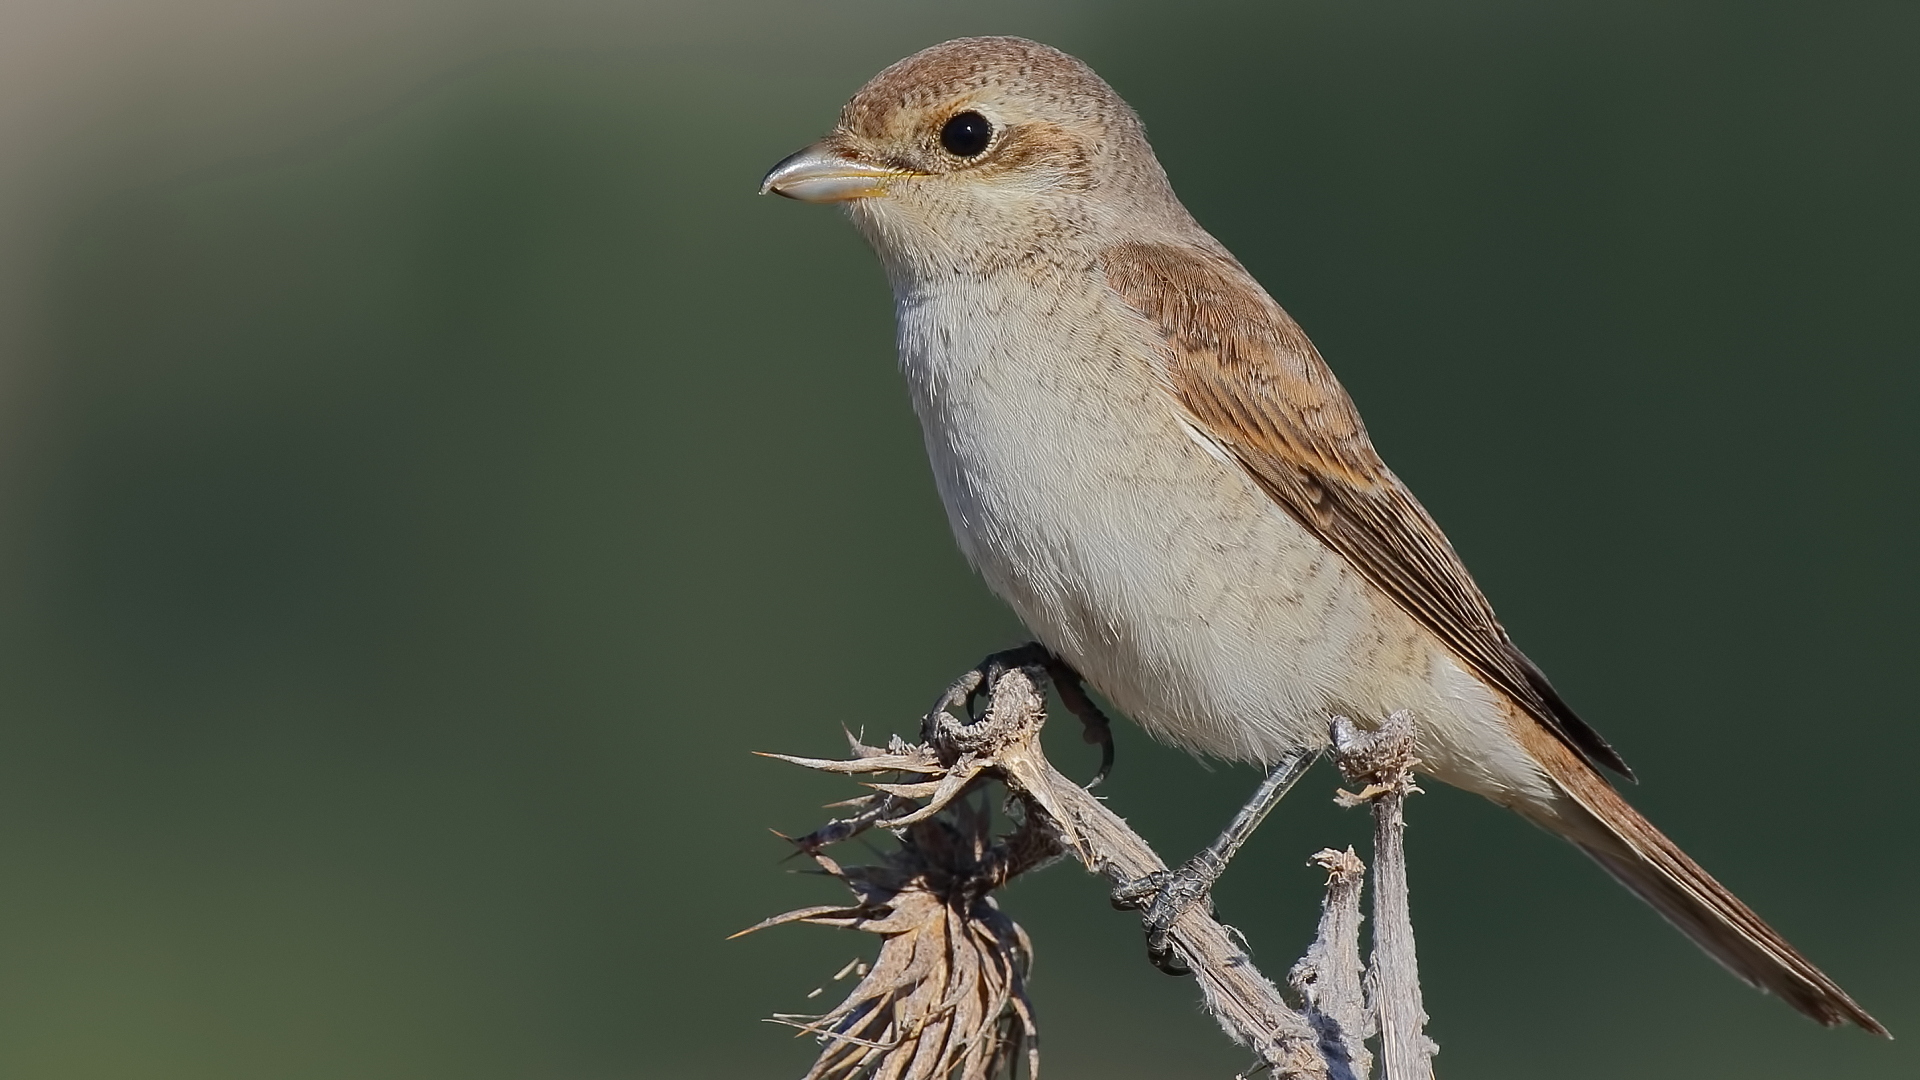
x,y
825,173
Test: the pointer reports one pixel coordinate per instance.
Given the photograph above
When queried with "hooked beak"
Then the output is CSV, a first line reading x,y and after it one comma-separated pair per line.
x,y
824,173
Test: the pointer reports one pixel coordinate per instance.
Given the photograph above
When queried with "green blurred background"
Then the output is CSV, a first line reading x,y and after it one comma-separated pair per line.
x,y
428,471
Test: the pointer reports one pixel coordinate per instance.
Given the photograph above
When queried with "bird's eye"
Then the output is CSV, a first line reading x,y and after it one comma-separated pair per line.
x,y
966,134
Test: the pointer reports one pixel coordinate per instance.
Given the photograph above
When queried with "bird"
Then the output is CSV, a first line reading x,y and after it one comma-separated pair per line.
x,y
1145,457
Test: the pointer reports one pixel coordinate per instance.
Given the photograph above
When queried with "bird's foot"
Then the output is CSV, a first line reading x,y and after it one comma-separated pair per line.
x,y
969,690
1165,895
975,686
1172,892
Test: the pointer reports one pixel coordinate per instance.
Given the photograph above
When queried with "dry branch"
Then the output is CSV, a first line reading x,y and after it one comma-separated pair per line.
x,y
1384,761
1328,979
947,996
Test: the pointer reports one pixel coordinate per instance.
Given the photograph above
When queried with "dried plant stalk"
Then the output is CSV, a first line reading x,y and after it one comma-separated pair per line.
x,y
1328,979
1384,760
947,995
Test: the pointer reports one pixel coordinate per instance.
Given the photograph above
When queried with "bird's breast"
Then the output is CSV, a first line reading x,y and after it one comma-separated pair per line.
x,y
1126,543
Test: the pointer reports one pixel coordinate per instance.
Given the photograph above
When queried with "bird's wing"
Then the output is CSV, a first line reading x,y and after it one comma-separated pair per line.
x,y
1245,375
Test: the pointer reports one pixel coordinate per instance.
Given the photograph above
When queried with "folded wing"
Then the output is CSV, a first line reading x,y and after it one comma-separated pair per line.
x,y
1247,378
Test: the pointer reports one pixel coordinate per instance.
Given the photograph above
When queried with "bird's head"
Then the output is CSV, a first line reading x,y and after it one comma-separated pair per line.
x,y
981,153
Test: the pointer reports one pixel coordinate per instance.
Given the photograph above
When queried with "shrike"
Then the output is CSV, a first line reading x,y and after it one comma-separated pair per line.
x,y
1146,458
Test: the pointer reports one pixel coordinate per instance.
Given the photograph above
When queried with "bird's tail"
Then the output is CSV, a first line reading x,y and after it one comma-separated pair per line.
x,y
1640,857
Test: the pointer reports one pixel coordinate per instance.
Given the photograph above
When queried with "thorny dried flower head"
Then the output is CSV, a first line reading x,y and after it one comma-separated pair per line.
x,y
947,996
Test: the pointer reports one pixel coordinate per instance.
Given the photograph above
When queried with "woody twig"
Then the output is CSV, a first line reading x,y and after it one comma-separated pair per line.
x,y
947,996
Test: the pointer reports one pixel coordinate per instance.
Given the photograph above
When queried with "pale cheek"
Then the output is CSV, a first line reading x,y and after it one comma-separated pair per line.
x,y
962,223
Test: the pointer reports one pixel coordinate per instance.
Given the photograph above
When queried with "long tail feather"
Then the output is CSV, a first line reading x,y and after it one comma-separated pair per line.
x,y
1640,857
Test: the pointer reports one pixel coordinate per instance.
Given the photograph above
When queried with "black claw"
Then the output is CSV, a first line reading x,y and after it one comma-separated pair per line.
x,y
1106,762
1167,960
988,676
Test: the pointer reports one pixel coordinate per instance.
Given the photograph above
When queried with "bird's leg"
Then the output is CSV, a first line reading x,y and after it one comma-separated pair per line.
x,y
1174,891
1094,728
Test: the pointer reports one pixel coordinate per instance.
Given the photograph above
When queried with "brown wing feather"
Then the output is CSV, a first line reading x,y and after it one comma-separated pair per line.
x,y
1247,376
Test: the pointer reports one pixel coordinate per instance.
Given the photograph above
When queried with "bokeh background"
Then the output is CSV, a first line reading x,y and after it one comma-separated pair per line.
x,y
427,471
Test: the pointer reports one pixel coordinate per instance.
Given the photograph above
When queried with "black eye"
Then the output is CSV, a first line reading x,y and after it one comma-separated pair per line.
x,y
966,134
